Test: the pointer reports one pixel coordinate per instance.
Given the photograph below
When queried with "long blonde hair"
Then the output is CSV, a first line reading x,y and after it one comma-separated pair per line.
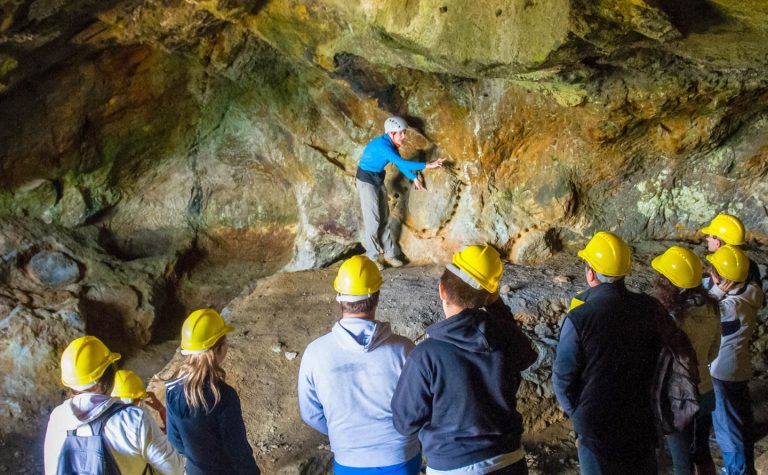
x,y
203,370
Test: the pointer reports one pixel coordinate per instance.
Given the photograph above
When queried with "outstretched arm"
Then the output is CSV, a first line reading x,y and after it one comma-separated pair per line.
x,y
407,167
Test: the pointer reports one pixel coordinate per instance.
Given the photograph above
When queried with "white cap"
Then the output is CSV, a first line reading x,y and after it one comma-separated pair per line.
x,y
395,124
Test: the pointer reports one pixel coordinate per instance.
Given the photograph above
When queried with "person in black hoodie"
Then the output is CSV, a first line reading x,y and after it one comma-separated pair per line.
x,y
458,389
605,362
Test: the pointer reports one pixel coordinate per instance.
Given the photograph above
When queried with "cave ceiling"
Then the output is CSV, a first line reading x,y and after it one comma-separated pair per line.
x,y
236,125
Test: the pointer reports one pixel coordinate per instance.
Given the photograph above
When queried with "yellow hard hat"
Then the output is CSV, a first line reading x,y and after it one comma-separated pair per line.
x,y
201,330
481,267
607,254
358,278
681,266
84,361
128,385
727,227
730,262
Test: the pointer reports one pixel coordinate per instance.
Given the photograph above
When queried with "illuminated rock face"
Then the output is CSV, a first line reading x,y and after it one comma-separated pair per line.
x,y
235,127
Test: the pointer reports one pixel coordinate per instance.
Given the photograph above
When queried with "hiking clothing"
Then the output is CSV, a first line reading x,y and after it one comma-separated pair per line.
x,y
734,421
214,443
753,274
738,320
346,381
604,369
691,446
702,325
131,434
377,237
700,320
380,152
458,388
491,465
591,464
411,467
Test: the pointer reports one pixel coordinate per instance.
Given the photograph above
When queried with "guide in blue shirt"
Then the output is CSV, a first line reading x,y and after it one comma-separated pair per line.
x,y
379,152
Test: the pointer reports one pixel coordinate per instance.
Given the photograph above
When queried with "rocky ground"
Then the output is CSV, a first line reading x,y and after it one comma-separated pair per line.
x,y
279,315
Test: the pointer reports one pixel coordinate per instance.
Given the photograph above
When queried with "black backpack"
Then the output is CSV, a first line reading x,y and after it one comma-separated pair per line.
x,y
89,454
675,383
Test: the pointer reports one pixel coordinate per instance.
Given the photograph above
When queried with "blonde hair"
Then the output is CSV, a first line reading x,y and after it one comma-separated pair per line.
x,y
203,370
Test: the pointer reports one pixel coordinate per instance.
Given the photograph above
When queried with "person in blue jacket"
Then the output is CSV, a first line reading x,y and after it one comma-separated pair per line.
x,y
458,389
205,422
369,181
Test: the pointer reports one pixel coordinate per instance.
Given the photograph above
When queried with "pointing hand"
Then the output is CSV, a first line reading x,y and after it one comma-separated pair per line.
x,y
436,164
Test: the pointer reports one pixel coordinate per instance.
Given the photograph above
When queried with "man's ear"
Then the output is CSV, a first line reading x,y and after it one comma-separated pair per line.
x,y
441,291
591,275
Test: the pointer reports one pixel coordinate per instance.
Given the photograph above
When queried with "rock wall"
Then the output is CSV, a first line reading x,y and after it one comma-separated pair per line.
x,y
235,127
56,286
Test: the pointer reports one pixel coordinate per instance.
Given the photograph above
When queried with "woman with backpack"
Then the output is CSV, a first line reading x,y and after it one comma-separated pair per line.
x,y
131,436
205,422
678,287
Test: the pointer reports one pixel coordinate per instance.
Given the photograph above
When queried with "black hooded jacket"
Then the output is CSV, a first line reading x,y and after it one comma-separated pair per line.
x,y
459,388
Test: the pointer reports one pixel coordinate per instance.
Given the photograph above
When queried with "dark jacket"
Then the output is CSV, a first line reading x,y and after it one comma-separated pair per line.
x,y
459,388
753,274
213,443
604,369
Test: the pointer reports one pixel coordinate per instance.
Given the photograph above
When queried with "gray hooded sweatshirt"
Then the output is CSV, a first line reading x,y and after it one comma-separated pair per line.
x,y
346,382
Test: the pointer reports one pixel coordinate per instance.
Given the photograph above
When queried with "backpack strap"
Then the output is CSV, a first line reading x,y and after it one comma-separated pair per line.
x,y
97,425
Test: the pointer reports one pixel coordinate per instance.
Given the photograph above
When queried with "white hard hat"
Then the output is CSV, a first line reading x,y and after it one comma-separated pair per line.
x,y
395,124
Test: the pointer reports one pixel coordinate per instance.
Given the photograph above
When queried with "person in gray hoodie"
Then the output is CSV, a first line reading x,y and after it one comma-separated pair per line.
x,y
739,301
348,376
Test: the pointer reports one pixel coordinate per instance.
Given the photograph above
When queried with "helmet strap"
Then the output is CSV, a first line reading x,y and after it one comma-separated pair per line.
x,y
84,387
192,352
466,278
352,298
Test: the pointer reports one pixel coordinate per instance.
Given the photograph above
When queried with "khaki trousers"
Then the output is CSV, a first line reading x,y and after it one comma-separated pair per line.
x,y
377,237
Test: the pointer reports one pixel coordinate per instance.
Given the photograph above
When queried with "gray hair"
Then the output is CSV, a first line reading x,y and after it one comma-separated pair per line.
x,y
605,279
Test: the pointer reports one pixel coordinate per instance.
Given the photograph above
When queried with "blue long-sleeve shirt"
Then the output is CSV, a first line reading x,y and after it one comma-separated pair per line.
x,y
213,443
378,154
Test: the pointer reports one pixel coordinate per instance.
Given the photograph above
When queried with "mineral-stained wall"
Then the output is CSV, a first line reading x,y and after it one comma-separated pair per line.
x,y
231,129
234,126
